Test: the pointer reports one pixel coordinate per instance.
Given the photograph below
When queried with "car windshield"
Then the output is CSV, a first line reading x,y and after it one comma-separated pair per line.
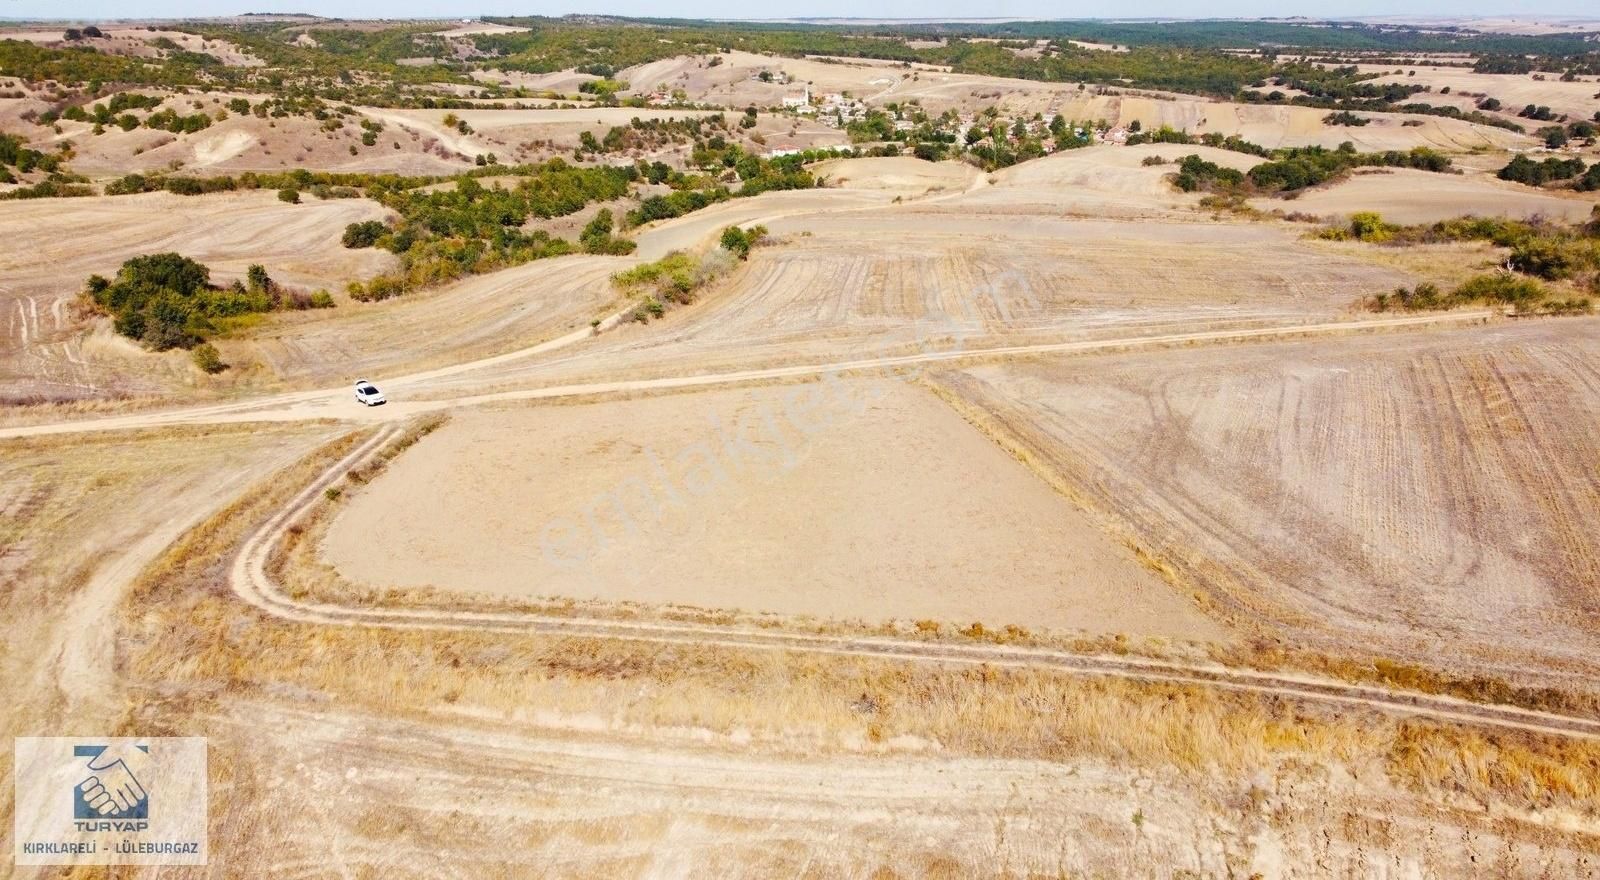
x,y
368,389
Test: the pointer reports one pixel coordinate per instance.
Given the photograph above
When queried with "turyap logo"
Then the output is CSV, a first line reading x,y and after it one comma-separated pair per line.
x,y
111,790
110,801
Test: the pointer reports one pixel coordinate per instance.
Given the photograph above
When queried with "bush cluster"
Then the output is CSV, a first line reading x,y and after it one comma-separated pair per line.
x,y
168,301
1522,169
597,238
1539,251
738,241
1301,167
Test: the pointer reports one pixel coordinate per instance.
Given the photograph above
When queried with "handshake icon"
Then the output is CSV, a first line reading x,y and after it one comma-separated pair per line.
x,y
111,790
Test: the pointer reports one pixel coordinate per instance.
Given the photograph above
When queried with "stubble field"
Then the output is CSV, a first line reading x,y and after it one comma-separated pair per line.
x,y
1234,589
864,500
1423,496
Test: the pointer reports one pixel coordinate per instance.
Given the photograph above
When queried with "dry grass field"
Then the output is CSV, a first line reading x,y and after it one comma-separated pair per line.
x,y
854,500
1027,258
1514,91
79,519
1403,195
1039,522
479,316
240,142
52,246
638,758
139,43
1425,497
732,83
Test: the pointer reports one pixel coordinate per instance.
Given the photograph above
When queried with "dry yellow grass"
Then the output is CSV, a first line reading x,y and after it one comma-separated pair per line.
x,y
189,633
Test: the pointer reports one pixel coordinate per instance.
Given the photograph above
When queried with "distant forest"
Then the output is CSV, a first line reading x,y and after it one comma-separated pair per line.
x,y
1193,57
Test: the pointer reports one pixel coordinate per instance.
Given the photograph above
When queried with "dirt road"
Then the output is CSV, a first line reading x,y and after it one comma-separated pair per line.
x,y
336,403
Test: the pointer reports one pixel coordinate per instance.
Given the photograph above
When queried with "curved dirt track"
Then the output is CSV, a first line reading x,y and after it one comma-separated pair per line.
x,y
251,582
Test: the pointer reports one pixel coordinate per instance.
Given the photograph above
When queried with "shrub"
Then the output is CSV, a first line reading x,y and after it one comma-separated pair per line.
x,y
207,358
1501,287
1195,173
1590,180
1544,257
1369,227
257,280
596,237
1344,117
739,242
292,196
1522,169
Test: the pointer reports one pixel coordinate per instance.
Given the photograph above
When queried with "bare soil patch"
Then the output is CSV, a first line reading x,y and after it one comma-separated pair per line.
x,y
898,511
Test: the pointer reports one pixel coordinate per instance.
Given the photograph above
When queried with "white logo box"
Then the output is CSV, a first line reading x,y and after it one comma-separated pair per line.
x,y
110,800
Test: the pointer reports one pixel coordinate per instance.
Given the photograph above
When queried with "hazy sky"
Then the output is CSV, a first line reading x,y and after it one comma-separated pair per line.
x,y
98,9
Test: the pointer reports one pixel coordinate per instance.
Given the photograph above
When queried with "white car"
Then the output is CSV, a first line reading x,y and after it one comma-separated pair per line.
x,y
368,393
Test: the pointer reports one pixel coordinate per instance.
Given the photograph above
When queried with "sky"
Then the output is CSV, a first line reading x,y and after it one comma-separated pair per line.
x,y
1034,9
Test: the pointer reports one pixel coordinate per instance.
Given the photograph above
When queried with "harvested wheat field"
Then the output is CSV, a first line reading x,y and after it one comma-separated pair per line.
x,y
901,175
687,500
1100,182
1429,497
1513,90
859,281
855,500
54,246
1403,195
78,519
477,317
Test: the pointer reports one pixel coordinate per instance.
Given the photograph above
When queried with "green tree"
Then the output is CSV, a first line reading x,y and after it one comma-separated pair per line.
x,y
256,279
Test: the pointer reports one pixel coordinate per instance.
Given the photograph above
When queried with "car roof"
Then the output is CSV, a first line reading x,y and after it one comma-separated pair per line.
x,y
364,382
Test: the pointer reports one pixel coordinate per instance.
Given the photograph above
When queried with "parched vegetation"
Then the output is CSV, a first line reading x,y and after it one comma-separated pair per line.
x,y
1169,135
187,633
676,279
352,65
1536,252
